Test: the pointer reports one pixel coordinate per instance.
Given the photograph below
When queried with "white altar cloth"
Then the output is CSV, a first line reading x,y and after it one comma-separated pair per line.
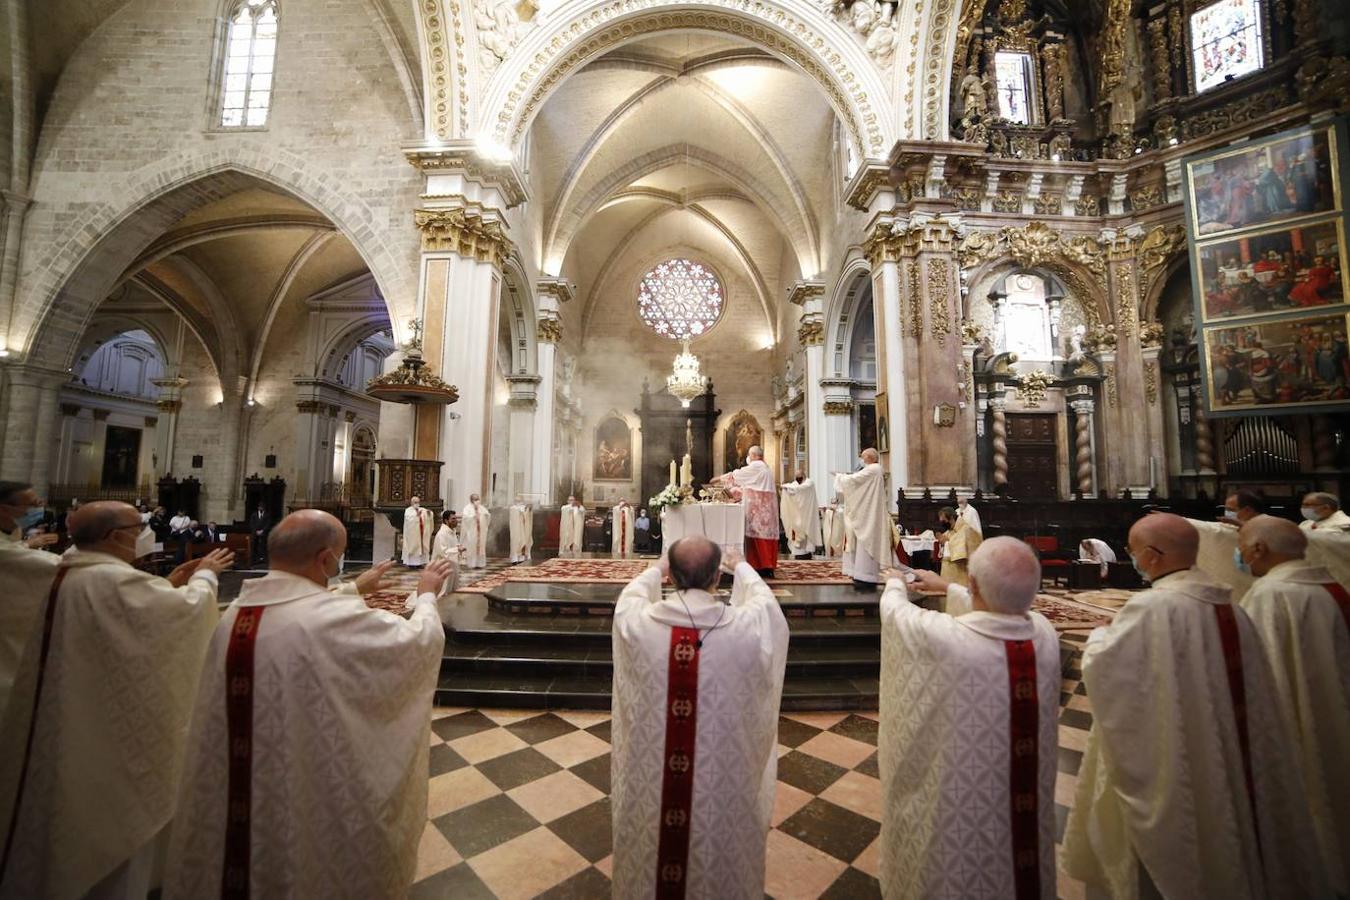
x,y
917,543
721,523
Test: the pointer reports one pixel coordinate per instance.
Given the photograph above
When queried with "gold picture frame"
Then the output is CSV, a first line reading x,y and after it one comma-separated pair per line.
x,y
1293,268
1278,365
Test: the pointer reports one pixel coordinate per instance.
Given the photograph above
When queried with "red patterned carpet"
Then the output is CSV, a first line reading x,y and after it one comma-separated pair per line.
x,y
622,571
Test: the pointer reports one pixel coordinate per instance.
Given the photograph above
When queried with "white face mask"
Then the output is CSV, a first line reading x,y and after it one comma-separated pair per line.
x,y
1309,512
1230,513
145,542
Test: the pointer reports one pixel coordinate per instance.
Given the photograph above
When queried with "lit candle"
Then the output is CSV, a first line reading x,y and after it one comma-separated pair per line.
x,y
673,476
687,472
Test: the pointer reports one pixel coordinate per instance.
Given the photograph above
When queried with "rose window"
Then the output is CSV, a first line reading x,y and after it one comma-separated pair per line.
x,y
680,299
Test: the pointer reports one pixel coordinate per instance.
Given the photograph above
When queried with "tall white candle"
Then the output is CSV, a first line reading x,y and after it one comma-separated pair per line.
x,y
687,472
673,476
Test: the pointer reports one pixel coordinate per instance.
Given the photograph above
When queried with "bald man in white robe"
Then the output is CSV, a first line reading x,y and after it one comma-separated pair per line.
x,y
801,516
419,530
697,685
1189,786
92,743
571,529
26,574
969,733
1303,617
306,768
622,521
867,521
474,522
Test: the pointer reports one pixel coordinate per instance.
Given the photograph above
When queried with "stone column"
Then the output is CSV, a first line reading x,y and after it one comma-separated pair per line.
x,y
998,437
308,436
1084,458
98,448
523,438
1150,347
820,456
1127,433
170,404
550,294
464,247
28,406
65,451
838,449
1204,437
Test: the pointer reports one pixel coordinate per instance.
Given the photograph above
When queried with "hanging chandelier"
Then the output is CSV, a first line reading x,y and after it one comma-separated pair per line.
x,y
684,381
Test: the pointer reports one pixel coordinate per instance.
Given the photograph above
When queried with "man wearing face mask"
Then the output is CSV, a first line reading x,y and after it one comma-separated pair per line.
x,y
1218,540
1188,787
1322,512
866,515
93,737
26,574
325,703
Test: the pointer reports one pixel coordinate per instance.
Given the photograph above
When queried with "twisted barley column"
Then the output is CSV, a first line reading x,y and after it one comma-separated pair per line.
x,y
1000,441
1204,439
1082,440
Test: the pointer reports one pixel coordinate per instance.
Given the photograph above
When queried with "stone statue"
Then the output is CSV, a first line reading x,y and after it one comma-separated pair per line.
x,y
974,101
499,29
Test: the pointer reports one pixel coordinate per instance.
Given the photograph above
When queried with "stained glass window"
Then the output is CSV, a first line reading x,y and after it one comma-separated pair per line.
x,y
680,299
250,49
1226,41
1012,73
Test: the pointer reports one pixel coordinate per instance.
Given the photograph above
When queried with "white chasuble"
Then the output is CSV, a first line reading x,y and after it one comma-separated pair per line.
x,y
801,518
447,547
307,762
113,686
1337,521
832,530
571,531
521,521
474,521
718,798
1215,556
1303,618
419,529
867,511
621,532
968,750
25,579
1190,768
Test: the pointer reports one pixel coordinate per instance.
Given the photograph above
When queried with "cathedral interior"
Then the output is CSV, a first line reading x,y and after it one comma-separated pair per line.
x,y
1072,260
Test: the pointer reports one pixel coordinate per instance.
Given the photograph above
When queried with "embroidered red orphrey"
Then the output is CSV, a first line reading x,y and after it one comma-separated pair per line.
x,y
677,780
234,882
1237,690
1024,768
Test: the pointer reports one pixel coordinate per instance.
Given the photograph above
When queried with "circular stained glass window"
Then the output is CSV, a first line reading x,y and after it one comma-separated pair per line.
x,y
680,299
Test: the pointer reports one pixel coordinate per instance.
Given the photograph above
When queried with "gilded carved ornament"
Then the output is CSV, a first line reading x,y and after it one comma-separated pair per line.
x,y
549,330
1032,387
939,318
1152,334
462,232
1159,245
838,407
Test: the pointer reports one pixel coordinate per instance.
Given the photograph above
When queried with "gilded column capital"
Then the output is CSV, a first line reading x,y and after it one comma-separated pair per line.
x,y
559,289
463,232
309,406
811,331
168,404
872,177
549,330
838,407
882,244
803,292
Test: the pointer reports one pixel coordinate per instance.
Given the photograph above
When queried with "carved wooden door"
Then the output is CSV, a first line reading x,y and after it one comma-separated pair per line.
x,y
1033,464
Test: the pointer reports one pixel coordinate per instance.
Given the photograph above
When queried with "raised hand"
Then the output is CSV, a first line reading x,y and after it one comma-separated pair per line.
x,y
372,579
38,541
217,560
433,576
730,559
932,582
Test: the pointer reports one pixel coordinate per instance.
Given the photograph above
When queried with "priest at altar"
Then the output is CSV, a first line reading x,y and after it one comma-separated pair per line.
x,y
1303,617
969,733
520,521
571,529
867,522
1190,785
697,685
621,521
419,530
26,574
474,521
801,518
306,772
958,543
92,743
754,482
448,548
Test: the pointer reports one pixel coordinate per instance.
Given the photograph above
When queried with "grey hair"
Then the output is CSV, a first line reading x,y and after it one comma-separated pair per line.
x,y
1322,498
1007,573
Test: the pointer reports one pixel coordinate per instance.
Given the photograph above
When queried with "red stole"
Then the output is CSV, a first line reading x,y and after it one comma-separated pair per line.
x,y
235,877
1237,691
677,780
1024,768
421,532
623,531
1342,598
48,620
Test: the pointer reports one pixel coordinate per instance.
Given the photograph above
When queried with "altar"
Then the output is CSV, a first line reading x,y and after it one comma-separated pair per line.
x,y
721,523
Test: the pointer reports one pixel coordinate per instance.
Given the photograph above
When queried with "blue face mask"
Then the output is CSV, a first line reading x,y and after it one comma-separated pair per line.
x,y
34,516
1239,563
1142,574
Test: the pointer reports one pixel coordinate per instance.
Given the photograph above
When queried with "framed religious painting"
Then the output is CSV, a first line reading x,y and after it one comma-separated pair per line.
x,y
1292,175
1288,270
613,450
1291,364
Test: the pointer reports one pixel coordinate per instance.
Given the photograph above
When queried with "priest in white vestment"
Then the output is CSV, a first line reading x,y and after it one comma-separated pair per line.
x,y
753,482
1322,512
419,530
959,542
571,529
306,771
970,515
1190,783
801,517
832,526
969,734
447,547
474,521
26,574
697,685
520,522
92,743
1093,550
1303,617
622,530
867,515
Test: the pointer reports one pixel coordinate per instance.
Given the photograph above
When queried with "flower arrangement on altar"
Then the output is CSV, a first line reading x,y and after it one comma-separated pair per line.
x,y
671,495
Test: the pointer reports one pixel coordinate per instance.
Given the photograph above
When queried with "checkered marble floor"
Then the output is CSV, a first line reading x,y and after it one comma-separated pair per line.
x,y
518,802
